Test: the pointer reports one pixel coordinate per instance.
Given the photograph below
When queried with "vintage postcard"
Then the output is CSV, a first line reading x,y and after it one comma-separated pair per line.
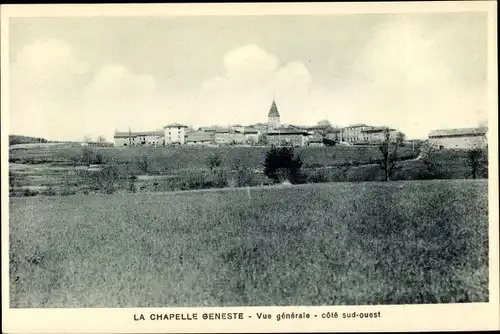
x,y
249,167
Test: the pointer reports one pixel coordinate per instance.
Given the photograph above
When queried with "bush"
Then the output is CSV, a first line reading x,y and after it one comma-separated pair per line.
x,y
318,176
107,179
29,192
132,184
244,176
281,164
144,164
477,159
49,191
213,161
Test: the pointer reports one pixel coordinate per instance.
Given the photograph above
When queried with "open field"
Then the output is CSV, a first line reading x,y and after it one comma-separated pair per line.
x,y
163,160
63,169
326,244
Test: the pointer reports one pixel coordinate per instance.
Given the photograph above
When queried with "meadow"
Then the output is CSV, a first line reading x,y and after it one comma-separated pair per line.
x,y
367,243
63,169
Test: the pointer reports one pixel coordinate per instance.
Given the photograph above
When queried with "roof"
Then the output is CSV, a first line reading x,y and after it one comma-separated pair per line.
x,y
198,136
222,130
316,138
480,131
250,130
273,112
287,131
360,125
175,125
137,134
377,129
207,129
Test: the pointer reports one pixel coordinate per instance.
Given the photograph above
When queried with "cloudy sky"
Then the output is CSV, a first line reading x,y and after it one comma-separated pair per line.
x,y
71,77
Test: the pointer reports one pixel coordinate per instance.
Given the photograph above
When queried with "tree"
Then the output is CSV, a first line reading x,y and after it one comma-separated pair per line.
x,y
478,162
428,156
213,161
244,175
87,139
324,123
262,139
400,138
388,161
281,164
101,139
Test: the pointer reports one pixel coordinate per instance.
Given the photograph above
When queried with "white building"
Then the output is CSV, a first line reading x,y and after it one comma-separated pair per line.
x,y
237,128
465,138
252,135
150,138
375,135
175,134
199,138
353,133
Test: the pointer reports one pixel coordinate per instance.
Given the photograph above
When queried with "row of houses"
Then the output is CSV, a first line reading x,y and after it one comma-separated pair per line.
x,y
180,134
275,133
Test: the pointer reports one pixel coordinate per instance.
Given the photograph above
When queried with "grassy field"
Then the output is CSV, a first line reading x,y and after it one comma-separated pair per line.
x,y
326,244
163,160
63,169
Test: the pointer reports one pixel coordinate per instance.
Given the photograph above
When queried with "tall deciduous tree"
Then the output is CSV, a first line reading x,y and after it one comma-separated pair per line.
x,y
400,138
389,152
478,162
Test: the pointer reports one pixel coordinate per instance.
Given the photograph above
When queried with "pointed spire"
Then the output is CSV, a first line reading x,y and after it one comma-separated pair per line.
x,y
273,112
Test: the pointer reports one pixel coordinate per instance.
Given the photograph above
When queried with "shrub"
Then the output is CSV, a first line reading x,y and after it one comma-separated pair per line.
x,y
318,176
281,164
244,176
107,179
49,191
213,161
144,164
477,159
132,184
28,192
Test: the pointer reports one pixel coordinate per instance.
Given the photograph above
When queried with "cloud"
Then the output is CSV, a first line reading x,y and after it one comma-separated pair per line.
x,y
55,95
116,98
43,83
252,77
411,72
250,63
49,58
116,79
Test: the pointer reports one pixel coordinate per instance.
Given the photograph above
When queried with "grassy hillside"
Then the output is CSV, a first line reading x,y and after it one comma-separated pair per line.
x,y
15,139
164,160
342,243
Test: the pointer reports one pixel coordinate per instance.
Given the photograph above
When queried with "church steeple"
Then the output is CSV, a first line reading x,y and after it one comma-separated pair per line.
x,y
273,117
273,112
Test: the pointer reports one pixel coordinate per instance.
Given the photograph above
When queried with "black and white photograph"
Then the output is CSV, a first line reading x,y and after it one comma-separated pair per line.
x,y
250,160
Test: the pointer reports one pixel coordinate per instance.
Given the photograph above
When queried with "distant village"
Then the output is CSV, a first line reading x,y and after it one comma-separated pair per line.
x,y
275,133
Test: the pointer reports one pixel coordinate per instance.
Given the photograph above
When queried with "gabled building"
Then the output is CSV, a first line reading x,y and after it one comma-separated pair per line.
x,y
199,138
251,135
315,140
151,138
175,133
375,135
464,138
353,133
287,137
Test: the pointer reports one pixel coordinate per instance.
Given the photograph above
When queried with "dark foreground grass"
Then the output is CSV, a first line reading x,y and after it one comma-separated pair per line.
x,y
335,244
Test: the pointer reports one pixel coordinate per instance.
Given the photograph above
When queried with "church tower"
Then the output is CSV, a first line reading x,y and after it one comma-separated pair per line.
x,y
273,118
